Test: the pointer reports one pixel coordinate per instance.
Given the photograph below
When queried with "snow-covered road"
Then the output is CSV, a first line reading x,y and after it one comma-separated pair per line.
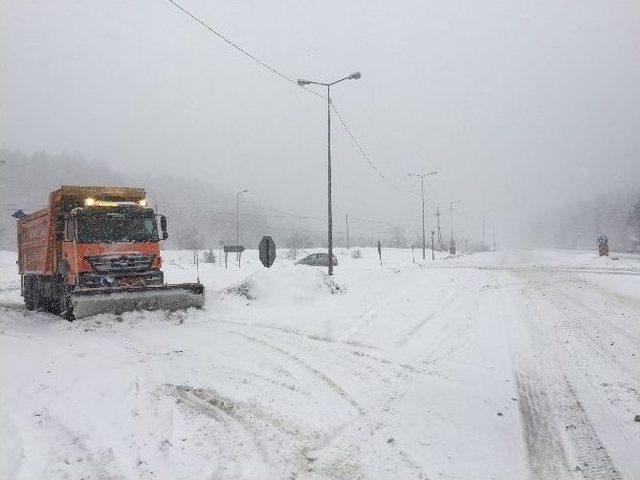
x,y
502,365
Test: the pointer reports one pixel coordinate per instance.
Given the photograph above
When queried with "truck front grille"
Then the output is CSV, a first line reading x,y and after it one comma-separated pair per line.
x,y
129,262
131,279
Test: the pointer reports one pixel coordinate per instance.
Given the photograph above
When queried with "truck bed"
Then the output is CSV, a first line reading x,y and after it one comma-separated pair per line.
x,y
36,243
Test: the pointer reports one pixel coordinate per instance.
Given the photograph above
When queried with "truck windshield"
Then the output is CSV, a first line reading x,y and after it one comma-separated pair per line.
x,y
117,227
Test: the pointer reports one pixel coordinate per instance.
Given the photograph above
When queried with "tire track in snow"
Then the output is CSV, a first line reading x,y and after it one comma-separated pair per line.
x,y
548,458
448,302
217,406
360,357
363,318
292,448
625,332
545,453
298,333
226,413
567,305
543,269
319,374
580,439
326,458
594,463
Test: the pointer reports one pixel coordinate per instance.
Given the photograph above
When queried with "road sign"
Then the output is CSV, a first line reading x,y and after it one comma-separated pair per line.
x,y
232,249
267,250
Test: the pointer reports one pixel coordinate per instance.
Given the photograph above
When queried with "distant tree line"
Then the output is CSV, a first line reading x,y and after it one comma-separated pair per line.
x,y
578,225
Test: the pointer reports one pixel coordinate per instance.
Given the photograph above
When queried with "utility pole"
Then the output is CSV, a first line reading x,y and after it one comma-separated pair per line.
x,y
433,255
439,234
451,221
451,244
422,175
422,190
302,82
346,219
238,221
483,232
494,237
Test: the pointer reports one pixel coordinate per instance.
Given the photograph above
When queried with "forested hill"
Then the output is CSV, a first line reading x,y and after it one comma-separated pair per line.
x,y
199,216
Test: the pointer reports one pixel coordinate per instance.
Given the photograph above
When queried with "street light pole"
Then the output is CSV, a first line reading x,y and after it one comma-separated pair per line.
x,y
423,237
494,237
329,208
302,82
422,175
451,222
238,220
346,218
451,219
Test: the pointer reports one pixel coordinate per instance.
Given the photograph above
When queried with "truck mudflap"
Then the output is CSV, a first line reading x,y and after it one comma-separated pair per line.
x,y
94,301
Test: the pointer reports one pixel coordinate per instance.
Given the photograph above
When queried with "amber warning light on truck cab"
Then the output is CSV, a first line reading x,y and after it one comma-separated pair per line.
x,y
92,202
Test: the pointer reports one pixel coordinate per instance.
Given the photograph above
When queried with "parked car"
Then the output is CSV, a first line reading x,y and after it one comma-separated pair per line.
x,y
318,260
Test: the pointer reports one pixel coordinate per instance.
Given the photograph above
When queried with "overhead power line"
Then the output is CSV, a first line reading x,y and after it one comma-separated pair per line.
x,y
237,47
288,79
359,147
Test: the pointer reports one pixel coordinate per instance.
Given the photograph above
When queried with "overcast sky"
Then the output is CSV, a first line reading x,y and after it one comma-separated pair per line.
x,y
521,106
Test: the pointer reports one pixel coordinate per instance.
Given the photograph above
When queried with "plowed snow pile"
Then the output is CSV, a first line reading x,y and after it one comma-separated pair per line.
x,y
295,284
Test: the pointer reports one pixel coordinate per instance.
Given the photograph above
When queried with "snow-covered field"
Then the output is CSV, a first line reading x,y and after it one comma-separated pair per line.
x,y
503,365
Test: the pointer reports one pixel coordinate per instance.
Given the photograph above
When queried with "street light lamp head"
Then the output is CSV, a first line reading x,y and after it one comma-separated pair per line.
x,y
353,76
435,172
302,82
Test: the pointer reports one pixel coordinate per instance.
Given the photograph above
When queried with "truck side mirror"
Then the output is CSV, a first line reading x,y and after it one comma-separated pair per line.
x,y
163,227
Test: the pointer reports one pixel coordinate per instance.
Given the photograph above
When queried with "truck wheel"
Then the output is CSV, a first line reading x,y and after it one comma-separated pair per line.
x,y
29,300
56,304
65,309
39,302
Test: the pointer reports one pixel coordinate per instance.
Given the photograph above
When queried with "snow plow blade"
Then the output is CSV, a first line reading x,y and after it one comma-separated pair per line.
x,y
94,301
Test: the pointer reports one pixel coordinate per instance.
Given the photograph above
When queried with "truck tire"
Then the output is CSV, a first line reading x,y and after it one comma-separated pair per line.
x,y
65,307
62,301
29,300
39,301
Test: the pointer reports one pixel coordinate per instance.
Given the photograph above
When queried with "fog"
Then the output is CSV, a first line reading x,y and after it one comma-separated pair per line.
x,y
522,107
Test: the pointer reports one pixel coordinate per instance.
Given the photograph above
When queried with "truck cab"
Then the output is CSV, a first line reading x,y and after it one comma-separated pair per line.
x,y
112,246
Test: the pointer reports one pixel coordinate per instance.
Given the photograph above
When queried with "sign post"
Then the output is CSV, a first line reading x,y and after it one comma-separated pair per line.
x,y
232,249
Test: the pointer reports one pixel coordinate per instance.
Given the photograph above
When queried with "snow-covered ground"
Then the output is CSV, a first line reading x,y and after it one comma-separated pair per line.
x,y
503,365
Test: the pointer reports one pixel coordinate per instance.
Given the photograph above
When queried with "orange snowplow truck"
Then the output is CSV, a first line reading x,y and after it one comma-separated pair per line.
x,y
97,250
